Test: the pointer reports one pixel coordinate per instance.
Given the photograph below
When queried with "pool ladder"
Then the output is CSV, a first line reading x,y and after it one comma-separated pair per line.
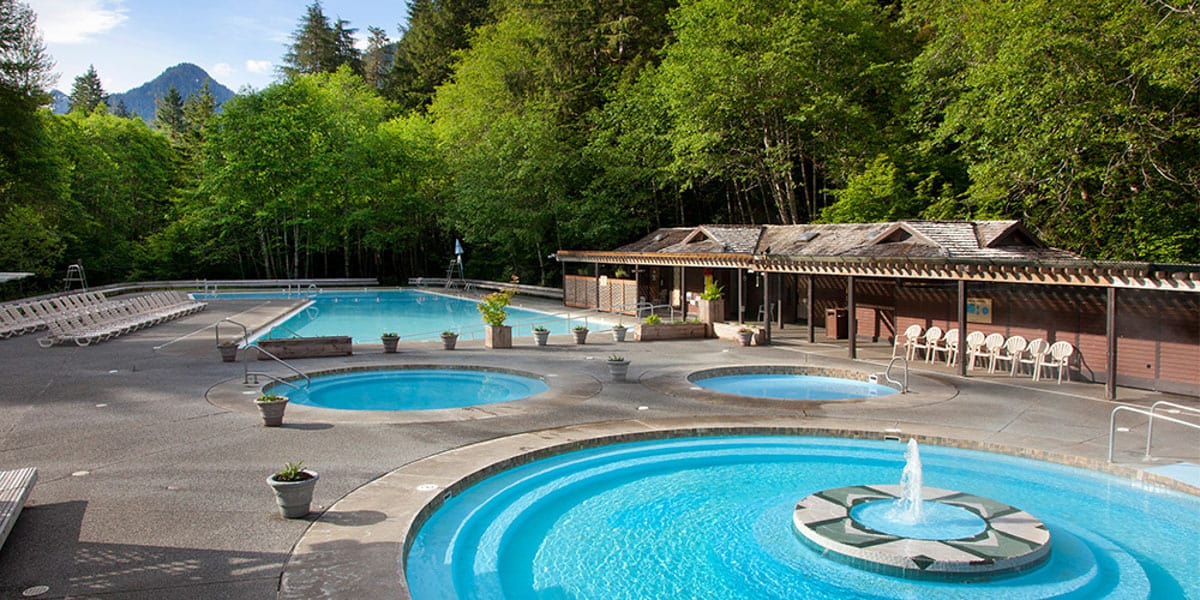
x,y
247,374
887,374
1152,414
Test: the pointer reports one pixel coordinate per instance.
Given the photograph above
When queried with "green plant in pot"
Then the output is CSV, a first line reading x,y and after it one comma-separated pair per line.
x,y
541,335
581,332
293,486
652,320
618,367
390,340
228,351
271,407
618,332
712,307
449,339
496,334
745,336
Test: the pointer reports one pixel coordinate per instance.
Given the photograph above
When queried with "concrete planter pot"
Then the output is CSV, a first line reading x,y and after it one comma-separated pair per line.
x,y
618,369
228,352
294,497
272,411
541,337
389,343
745,337
448,341
497,336
580,336
619,333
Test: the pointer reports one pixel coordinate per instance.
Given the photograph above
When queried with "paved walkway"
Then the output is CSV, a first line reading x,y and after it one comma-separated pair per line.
x,y
152,463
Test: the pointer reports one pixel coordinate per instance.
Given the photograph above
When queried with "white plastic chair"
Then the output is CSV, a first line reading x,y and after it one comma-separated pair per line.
x,y
993,345
912,335
1033,356
928,344
1057,357
975,349
1014,347
948,346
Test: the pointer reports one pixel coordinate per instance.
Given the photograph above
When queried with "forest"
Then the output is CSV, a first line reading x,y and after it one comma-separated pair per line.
x,y
526,127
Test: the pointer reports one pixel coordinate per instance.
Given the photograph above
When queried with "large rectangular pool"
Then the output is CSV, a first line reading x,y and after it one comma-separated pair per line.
x,y
415,315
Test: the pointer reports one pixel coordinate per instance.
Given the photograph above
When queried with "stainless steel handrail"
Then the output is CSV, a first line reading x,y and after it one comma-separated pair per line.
x,y
274,378
1112,425
1154,407
307,379
245,358
887,375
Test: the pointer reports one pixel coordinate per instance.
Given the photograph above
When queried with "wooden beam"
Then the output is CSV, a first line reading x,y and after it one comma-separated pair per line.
x,y
811,335
962,328
851,322
767,307
1110,344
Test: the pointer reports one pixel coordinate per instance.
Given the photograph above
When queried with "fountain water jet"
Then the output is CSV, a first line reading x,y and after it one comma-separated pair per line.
x,y
913,531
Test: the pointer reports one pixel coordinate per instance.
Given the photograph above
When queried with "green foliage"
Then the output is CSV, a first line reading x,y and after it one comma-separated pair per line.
x,y
318,47
272,398
616,358
169,118
292,472
492,307
652,319
712,291
28,242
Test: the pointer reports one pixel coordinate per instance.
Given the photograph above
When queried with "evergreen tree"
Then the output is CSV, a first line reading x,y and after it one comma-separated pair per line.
x,y
377,62
25,68
27,169
425,54
318,47
87,93
168,115
122,110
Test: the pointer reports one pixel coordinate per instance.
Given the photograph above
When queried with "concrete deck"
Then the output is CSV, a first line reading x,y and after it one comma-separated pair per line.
x,y
152,461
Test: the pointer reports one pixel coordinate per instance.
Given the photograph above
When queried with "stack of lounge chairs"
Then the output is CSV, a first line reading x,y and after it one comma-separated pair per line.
x,y
89,317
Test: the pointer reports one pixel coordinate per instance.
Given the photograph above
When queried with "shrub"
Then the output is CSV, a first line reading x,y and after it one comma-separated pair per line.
x,y
492,307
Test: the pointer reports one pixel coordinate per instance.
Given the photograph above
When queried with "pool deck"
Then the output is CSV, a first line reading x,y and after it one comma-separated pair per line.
x,y
152,462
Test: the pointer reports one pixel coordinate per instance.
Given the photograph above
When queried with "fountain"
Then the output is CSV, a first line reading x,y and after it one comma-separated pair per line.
x,y
913,531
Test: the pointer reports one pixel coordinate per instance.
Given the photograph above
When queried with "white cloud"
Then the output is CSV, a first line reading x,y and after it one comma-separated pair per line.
x,y
77,21
221,70
258,66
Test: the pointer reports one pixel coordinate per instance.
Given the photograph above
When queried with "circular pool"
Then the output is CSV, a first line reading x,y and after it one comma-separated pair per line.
x,y
411,389
711,517
789,383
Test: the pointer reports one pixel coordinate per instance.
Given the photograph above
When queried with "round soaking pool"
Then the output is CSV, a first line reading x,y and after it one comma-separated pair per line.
x,y
789,383
412,389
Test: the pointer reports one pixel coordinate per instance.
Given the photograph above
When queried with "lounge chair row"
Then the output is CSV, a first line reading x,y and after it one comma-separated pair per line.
x,y
994,349
19,318
115,318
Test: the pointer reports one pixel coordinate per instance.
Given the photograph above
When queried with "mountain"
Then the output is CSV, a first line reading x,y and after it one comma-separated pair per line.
x,y
60,103
142,100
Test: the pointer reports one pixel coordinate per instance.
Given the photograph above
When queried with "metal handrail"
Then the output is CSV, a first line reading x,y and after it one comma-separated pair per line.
x,y
1112,425
1154,407
307,379
274,378
887,374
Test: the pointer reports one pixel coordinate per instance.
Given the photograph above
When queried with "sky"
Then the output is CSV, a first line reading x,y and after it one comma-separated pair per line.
x,y
239,42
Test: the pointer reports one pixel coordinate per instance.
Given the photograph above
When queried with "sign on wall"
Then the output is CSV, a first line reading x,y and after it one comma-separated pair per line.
x,y
979,310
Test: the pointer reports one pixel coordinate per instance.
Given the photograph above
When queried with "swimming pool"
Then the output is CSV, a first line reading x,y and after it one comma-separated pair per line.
x,y
711,517
788,383
412,389
414,314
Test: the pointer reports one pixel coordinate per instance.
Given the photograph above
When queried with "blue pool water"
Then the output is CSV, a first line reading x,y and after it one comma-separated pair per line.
x,y
412,389
711,518
414,314
940,522
793,387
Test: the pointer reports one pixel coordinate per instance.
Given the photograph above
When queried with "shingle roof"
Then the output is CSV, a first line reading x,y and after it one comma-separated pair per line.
x,y
913,238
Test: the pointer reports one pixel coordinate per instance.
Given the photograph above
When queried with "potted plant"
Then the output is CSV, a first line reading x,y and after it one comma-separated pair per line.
x,y
449,338
496,334
228,351
541,334
580,332
618,332
653,319
390,339
618,367
293,485
712,307
745,335
271,407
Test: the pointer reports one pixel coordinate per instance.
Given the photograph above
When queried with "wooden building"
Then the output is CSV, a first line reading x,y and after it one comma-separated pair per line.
x,y
1132,324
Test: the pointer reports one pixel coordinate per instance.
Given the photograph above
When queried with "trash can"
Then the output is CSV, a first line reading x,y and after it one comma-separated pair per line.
x,y
836,324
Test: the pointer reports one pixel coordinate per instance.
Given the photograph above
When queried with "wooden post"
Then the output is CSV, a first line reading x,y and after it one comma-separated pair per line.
x,y
812,338
767,307
1110,343
597,286
851,322
962,328
741,298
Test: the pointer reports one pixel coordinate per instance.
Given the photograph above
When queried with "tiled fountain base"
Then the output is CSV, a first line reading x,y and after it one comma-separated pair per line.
x,y
1013,539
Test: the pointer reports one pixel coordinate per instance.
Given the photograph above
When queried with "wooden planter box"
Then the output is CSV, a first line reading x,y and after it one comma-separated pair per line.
x,y
669,331
497,336
309,347
711,311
